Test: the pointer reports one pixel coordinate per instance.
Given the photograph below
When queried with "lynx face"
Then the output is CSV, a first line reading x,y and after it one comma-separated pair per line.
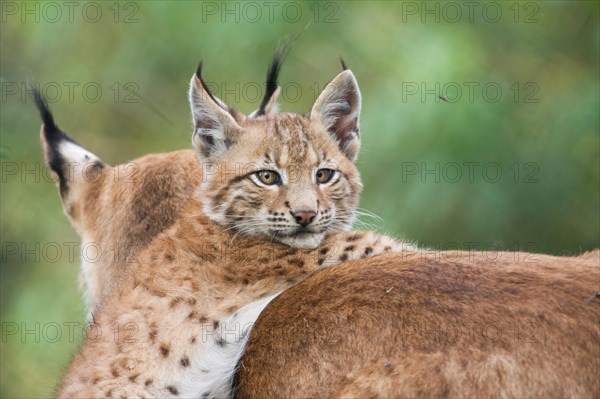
x,y
286,176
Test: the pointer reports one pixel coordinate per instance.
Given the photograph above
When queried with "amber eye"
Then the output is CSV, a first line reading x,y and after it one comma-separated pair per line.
x,y
267,177
325,175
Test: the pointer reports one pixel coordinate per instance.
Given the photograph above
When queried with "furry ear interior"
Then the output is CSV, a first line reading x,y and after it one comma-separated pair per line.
x,y
338,109
214,127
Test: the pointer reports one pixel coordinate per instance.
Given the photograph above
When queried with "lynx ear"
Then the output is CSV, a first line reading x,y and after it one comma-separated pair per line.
x,y
338,109
214,128
72,164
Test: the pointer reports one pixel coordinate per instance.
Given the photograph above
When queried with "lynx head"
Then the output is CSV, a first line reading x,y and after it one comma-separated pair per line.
x,y
286,176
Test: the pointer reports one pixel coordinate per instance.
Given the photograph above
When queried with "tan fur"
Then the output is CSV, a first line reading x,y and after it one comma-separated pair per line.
x,y
290,145
190,279
195,275
119,210
432,325
198,277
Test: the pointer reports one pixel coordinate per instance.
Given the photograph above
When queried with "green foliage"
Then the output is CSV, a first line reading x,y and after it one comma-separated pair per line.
x,y
518,170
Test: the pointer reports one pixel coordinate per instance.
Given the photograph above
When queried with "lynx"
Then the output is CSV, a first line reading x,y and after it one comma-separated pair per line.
x,y
184,309
431,325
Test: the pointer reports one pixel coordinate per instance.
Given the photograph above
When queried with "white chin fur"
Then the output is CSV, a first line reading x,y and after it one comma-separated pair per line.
x,y
311,241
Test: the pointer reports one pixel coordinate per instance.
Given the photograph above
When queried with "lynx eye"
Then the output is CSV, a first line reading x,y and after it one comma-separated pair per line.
x,y
325,175
268,177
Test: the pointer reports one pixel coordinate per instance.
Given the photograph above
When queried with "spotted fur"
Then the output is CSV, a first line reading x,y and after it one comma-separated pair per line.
x,y
183,310
170,342
293,147
118,210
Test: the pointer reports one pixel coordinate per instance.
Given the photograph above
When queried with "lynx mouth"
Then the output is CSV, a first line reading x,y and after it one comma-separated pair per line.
x,y
299,232
300,238
302,232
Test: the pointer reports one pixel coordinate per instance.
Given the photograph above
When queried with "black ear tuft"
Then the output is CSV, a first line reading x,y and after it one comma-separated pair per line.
x,y
204,86
199,70
52,138
52,133
45,114
63,154
273,73
344,67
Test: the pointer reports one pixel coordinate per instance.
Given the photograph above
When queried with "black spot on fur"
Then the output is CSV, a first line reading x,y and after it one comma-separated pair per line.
x,y
368,251
148,382
184,362
164,350
353,237
296,262
344,257
221,342
173,390
175,301
349,248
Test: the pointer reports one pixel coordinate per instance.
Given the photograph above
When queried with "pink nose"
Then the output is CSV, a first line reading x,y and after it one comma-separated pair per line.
x,y
304,218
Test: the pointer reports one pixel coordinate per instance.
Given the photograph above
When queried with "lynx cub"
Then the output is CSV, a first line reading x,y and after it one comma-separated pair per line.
x,y
181,314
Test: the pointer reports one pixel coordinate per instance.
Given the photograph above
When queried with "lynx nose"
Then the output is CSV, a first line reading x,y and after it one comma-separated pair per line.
x,y
304,218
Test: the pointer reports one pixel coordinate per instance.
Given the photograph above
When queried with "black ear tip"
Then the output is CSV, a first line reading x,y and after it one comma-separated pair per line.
x,y
45,114
204,86
344,66
199,70
281,51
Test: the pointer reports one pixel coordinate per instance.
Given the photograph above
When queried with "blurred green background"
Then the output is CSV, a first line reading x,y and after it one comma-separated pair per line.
x,y
510,160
